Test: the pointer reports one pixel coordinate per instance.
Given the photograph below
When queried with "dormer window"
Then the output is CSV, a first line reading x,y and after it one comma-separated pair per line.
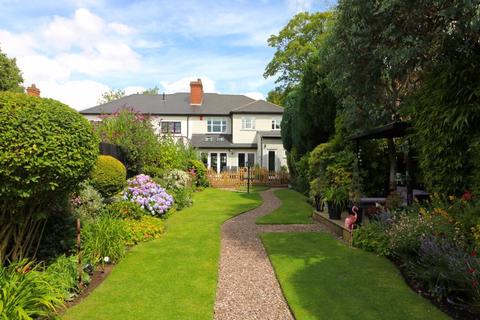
x,y
208,139
216,125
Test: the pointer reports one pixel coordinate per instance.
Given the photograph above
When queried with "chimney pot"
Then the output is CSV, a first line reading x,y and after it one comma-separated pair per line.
x,y
33,91
196,93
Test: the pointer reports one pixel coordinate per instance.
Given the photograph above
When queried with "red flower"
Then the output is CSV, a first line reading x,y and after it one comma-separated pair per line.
x,y
471,270
474,253
474,283
467,195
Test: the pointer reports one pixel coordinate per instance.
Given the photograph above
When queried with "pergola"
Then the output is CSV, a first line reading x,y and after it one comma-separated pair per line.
x,y
392,130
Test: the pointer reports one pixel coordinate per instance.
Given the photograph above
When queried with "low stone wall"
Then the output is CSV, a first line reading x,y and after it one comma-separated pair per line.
x,y
335,226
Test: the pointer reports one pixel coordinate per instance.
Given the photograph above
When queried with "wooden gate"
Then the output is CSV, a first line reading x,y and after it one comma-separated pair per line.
x,y
238,178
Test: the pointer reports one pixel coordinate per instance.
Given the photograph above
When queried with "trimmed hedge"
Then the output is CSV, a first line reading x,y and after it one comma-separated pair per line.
x,y
109,175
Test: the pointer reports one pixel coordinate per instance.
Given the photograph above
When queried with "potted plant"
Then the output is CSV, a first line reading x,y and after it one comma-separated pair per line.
x,y
336,199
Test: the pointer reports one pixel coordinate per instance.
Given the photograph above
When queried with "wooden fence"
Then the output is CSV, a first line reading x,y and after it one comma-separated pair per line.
x,y
238,178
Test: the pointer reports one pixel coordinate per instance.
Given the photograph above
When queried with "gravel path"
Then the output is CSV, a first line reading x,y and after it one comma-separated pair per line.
x,y
247,287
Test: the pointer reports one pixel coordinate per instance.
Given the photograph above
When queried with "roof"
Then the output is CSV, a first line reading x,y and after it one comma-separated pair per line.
x,y
218,141
259,106
179,104
270,134
391,130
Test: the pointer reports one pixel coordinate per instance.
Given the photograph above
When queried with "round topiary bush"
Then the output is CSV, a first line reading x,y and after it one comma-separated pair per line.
x,y
109,176
46,150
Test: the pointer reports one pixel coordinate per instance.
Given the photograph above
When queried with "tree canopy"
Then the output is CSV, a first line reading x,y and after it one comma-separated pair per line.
x,y
10,75
294,45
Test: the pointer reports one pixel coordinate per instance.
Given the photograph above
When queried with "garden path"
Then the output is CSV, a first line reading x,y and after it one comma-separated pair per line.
x,y
247,286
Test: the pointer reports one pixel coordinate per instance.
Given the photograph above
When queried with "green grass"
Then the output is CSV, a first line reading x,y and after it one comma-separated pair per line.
x,y
173,277
294,209
325,279
254,188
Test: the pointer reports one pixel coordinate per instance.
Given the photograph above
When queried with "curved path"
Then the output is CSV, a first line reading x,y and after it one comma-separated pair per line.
x,y
247,286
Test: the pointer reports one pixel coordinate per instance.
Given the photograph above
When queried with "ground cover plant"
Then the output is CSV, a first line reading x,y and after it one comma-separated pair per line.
x,y
179,269
294,209
435,244
323,278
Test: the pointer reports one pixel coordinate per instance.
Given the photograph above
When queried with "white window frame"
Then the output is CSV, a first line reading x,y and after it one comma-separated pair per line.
x,y
276,124
220,123
248,123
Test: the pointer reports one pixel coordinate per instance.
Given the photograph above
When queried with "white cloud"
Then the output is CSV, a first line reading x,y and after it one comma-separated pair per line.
x,y
255,95
133,89
77,94
297,6
183,85
84,44
121,28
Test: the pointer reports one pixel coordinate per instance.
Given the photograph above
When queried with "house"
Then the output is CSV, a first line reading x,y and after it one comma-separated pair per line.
x,y
229,130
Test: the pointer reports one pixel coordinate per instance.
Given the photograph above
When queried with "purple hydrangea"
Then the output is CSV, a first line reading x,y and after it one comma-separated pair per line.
x,y
150,196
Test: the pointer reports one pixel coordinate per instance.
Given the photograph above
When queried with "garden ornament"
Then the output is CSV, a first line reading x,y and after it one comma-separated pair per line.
x,y
351,219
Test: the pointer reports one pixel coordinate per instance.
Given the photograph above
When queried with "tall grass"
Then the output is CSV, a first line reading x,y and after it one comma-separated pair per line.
x,y
103,237
26,292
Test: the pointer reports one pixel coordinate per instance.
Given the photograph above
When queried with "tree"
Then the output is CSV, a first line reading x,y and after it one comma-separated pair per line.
x,y
111,95
294,45
10,76
277,96
46,150
153,90
381,50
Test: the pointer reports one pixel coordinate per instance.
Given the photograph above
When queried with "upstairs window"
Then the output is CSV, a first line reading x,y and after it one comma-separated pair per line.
x,y
248,123
216,125
276,124
171,127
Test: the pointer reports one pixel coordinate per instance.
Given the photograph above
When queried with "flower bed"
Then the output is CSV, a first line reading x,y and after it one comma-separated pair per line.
x,y
148,195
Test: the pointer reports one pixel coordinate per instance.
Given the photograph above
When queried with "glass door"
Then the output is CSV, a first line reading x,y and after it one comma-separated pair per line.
x,y
271,160
223,161
213,161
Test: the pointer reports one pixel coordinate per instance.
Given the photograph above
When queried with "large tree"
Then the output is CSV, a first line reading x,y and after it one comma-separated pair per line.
x,y
294,45
381,50
10,75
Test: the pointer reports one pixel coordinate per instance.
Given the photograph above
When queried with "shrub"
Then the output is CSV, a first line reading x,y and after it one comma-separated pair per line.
x,y
104,237
176,179
124,210
406,234
63,275
59,233
46,149
133,132
26,292
182,197
108,176
372,237
447,272
174,154
200,173
143,191
153,171
87,202
144,229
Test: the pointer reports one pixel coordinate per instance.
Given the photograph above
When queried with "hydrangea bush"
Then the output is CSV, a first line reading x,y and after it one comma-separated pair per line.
x,y
150,196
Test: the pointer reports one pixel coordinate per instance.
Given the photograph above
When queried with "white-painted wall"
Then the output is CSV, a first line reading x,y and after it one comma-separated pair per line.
x,y
262,123
198,124
275,145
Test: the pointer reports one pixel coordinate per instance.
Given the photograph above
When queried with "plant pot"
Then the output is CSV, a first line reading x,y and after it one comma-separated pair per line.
x,y
334,211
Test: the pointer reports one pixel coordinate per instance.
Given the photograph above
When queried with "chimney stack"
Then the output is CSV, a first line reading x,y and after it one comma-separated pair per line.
x,y
33,91
196,93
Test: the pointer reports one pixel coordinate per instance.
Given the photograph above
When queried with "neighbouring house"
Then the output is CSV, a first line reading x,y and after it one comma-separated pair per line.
x,y
229,130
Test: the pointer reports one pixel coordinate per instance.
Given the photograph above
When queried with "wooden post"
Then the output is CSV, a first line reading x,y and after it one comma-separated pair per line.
x,y
248,178
79,255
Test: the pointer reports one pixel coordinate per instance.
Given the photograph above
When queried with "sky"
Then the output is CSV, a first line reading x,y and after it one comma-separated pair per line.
x,y
73,50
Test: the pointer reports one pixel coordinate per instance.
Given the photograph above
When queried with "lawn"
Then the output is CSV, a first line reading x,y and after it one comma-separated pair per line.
x,y
173,277
323,278
294,209
253,188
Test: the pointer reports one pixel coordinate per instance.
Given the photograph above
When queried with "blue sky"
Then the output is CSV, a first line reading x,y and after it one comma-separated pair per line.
x,y
75,50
